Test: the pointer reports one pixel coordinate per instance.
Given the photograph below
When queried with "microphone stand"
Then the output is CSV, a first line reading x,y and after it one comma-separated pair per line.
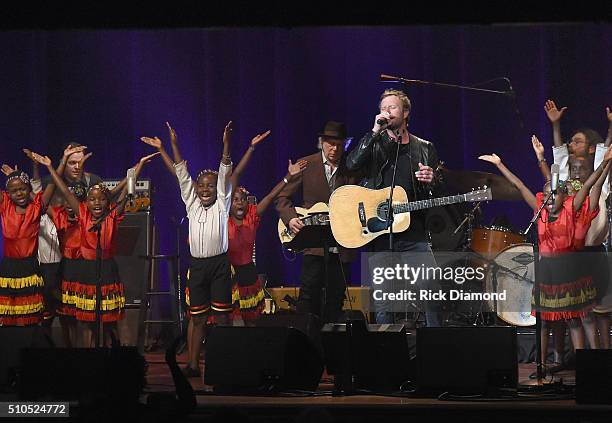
x,y
509,93
97,227
389,78
469,218
609,215
390,213
181,345
536,289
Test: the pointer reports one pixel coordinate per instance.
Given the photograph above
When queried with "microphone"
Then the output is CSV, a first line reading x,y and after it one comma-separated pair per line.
x,y
131,184
512,95
382,121
391,78
554,179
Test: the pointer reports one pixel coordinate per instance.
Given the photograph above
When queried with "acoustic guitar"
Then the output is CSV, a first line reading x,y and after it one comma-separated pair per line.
x,y
358,215
317,215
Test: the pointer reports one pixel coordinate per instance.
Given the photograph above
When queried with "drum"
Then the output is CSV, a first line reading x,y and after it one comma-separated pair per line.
x,y
513,273
489,241
441,223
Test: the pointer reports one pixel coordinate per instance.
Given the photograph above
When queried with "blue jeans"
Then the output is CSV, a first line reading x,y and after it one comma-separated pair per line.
x,y
384,313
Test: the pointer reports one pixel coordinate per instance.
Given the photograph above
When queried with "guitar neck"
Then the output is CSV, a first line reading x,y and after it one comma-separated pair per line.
x,y
317,219
426,204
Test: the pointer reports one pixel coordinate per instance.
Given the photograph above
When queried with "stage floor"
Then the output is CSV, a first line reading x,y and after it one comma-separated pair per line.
x,y
323,406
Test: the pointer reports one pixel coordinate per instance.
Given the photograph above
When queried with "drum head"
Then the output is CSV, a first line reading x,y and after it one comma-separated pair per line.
x,y
514,274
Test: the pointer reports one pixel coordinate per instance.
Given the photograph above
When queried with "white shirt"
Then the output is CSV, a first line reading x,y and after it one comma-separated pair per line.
x,y
329,173
48,241
207,225
598,230
561,157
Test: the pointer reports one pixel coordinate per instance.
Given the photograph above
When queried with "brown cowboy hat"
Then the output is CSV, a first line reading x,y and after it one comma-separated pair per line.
x,y
334,129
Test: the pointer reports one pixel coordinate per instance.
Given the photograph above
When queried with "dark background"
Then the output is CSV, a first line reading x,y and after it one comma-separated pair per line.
x,y
106,88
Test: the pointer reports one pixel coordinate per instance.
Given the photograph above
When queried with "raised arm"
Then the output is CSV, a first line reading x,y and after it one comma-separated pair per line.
x,y
293,170
224,180
58,182
7,170
247,156
554,115
284,204
67,153
226,157
592,186
174,144
527,195
538,148
35,171
359,155
157,143
36,182
609,136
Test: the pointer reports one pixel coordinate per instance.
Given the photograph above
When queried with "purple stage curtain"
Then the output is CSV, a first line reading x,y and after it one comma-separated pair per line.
x,y
107,88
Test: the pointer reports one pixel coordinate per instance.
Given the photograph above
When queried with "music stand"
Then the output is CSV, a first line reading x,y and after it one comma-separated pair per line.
x,y
317,236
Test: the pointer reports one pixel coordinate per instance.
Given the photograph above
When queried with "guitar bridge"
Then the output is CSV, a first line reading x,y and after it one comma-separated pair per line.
x,y
362,215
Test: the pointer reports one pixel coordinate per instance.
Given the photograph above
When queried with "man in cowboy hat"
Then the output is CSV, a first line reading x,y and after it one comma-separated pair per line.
x,y
325,172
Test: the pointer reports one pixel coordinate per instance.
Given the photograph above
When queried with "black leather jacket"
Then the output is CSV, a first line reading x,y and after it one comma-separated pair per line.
x,y
375,152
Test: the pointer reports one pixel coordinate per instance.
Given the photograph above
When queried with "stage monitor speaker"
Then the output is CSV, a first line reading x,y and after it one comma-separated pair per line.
x,y
115,375
134,243
594,376
12,341
261,359
467,360
307,323
376,355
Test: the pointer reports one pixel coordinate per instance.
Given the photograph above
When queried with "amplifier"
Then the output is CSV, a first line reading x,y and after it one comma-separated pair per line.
x,y
358,298
142,196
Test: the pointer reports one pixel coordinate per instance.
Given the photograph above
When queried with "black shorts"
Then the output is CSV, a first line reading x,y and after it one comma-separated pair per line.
x,y
209,285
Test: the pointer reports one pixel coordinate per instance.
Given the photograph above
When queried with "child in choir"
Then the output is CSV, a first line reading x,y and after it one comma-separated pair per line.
x,y
21,285
567,291
207,202
96,214
50,252
247,287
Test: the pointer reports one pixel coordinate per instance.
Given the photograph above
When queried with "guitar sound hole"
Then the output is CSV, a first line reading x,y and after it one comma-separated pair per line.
x,y
382,211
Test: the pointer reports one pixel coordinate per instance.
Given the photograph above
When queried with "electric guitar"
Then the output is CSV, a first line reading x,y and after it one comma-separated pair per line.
x,y
317,215
358,215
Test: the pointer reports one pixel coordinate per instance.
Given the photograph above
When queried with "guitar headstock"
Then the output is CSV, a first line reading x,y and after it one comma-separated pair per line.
x,y
481,194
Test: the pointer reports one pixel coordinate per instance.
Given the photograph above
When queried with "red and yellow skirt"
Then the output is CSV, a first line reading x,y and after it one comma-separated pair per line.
x,y
247,292
21,292
79,282
567,288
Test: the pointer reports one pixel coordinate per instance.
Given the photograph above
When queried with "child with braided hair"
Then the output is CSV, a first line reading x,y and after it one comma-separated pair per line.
x,y
247,287
567,290
207,202
21,285
97,209
52,248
